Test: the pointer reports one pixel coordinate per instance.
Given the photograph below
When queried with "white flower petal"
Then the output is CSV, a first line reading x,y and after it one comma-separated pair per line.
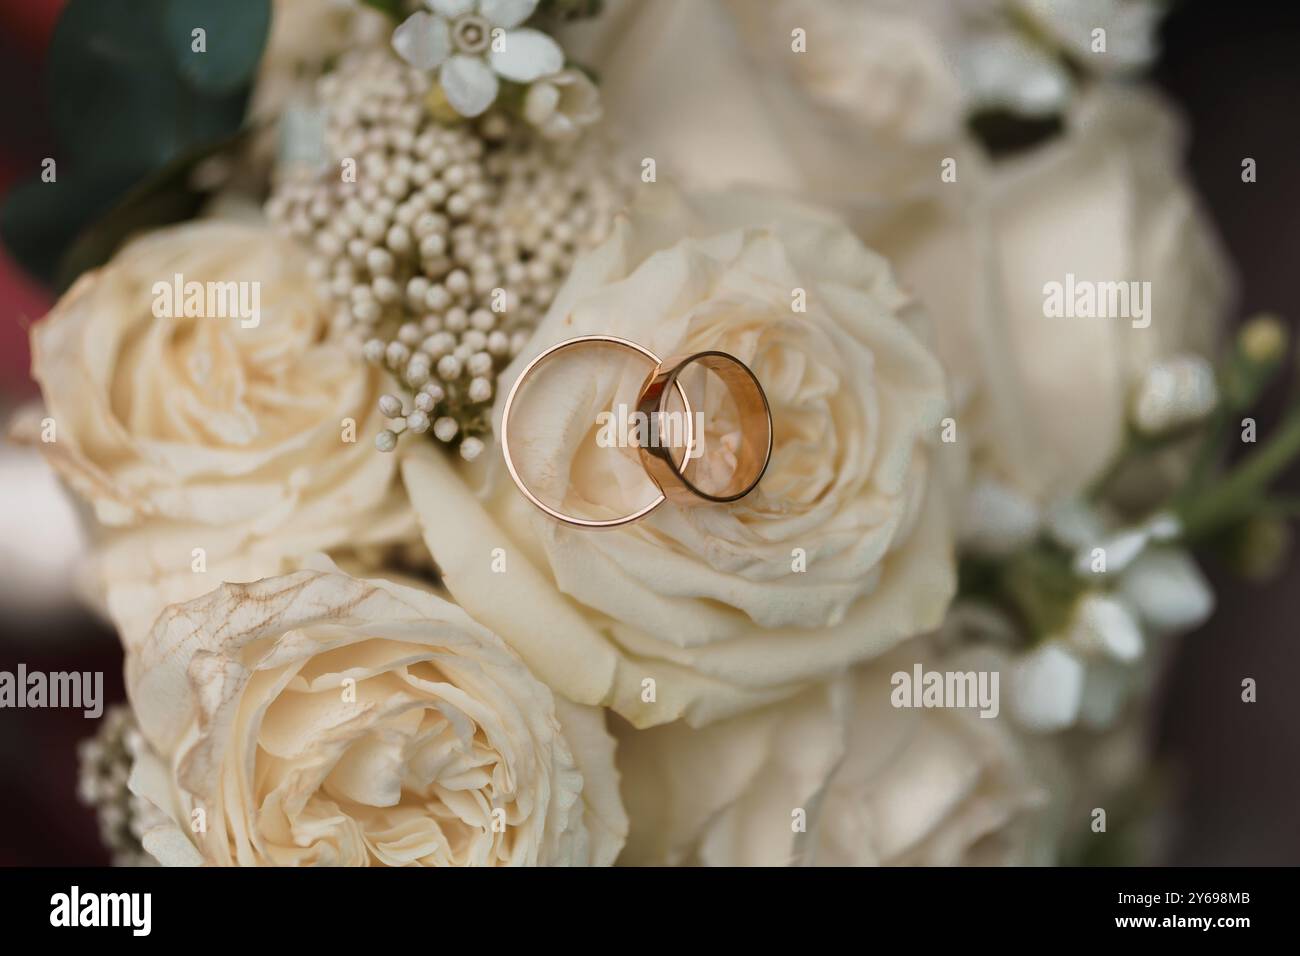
x,y
471,87
1006,70
1104,690
1073,523
1047,688
1173,393
422,40
1105,625
1167,589
507,13
528,54
998,519
541,102
1121,549
450,8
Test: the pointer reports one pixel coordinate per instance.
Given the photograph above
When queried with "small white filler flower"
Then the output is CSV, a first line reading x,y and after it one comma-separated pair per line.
x,y
473,42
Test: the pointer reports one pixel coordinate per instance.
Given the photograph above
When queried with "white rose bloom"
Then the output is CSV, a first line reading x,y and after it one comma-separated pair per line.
x,y
872,784
844,101
210,449
707,603
319,719
869,109
1105,203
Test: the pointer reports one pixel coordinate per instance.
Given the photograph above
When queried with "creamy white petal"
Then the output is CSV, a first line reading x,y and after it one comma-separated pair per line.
x,y
1047,688
1103,624
1167,590
527,55
713,604
507,13
320,719
422,40
193,432
469,83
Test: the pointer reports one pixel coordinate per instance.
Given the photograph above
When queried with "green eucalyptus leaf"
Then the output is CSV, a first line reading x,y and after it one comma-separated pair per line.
x,y
117,94
233,34
164,197
130,100
39,220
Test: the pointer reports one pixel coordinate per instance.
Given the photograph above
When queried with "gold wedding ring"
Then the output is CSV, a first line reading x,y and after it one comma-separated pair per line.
x,y
755,449
505,433
672,479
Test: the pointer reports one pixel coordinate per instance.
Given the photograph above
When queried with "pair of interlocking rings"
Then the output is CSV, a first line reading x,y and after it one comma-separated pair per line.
x,y
673,479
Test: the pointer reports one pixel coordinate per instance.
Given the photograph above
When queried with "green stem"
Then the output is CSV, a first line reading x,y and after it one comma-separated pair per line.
x,y
1207,453
1243,488
1140,446
1281,507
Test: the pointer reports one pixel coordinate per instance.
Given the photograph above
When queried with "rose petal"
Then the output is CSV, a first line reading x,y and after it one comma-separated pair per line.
x,y
528,55
422,40
471,87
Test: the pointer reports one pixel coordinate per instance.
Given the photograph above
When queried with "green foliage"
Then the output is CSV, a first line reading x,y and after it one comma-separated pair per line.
x,y
132,106
392,8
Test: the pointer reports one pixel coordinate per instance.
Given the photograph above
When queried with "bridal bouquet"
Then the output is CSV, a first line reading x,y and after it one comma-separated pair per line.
x,y
951,242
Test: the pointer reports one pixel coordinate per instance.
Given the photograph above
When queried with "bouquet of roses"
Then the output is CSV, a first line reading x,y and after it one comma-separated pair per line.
x,y
899,599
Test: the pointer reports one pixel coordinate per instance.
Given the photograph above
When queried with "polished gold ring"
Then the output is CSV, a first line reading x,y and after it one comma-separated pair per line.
x,y
505,433
672,479
754,452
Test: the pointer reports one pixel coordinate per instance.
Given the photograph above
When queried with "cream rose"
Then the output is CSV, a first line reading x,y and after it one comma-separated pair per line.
x,y
838,776
210,449
315,718
1105,203
869,107
843,550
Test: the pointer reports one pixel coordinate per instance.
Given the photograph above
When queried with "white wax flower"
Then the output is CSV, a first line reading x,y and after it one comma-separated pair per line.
x,y
561,105
1106,625
473,42
998,519
1047,687
1167,590
1175,392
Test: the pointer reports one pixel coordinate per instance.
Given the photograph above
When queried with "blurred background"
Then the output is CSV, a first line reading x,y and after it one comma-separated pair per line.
x,y
1232,770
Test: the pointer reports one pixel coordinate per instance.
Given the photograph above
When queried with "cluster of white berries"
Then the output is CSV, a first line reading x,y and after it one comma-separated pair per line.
x,y
446,247
104,764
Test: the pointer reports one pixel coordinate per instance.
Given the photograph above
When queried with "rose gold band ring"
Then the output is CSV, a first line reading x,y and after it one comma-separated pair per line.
x,y
755,416
608,340
673,479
